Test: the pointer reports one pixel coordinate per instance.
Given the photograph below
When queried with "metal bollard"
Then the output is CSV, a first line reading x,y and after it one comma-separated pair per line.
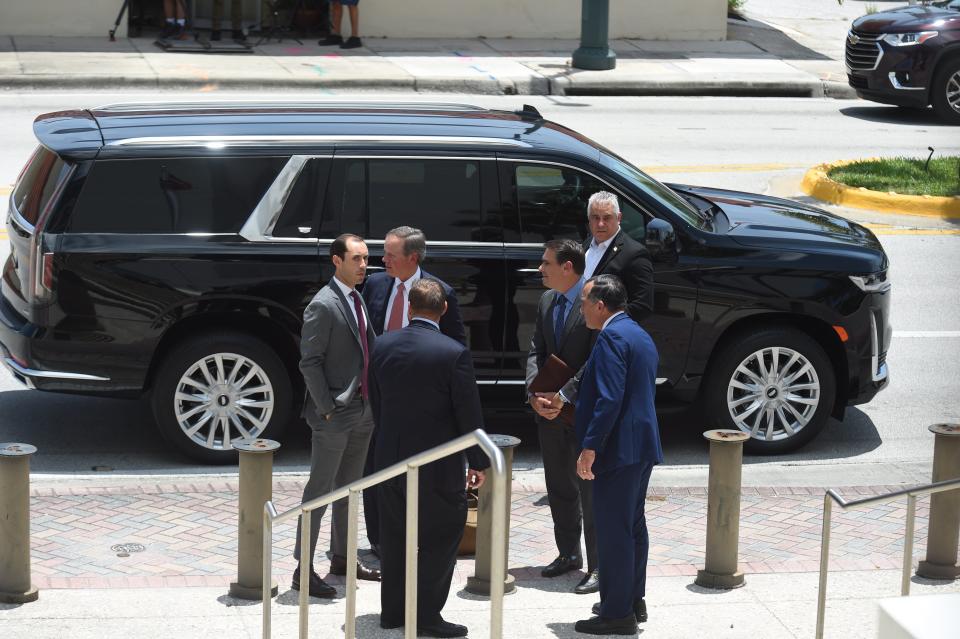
x,y
479,583
15,585
723,510
944,526
256,489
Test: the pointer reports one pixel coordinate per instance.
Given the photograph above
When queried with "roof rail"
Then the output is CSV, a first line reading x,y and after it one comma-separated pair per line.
x,y
241,105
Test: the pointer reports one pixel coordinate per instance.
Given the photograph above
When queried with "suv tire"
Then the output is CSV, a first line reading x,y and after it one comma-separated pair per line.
x,y
947,80
771,373
212,385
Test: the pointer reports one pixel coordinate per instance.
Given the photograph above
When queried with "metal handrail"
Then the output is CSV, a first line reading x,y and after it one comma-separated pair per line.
x,y
911,495
352,492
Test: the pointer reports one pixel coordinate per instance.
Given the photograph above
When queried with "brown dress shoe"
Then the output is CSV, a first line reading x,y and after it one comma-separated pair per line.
x,y
338,566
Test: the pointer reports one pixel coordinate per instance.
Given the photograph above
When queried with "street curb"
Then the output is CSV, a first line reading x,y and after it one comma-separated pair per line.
x,y
818,184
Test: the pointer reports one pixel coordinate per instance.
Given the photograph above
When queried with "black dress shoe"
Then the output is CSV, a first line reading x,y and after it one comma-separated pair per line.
x,y
318,587
338,566
375,549
331,40
639,610
562,564
353,42
442,629
390,624
603,626
589,584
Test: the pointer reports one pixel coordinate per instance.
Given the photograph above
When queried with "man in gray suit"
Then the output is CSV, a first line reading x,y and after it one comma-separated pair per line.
x,y
560,331
335,351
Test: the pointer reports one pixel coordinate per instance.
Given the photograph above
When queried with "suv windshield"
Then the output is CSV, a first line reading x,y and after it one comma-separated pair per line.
x,y
654,189
948,4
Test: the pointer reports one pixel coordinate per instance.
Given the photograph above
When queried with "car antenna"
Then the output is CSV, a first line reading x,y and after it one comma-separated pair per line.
x,y
529,112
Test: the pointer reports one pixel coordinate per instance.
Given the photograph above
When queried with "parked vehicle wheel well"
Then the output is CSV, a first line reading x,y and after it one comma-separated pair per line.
x,y
282,341
951,54
815,328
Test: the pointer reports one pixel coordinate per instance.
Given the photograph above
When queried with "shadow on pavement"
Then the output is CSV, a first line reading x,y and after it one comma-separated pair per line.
x,y
895,115
771,40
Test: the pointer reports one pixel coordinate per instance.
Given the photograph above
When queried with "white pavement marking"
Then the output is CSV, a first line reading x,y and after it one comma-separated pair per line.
x,y
927,334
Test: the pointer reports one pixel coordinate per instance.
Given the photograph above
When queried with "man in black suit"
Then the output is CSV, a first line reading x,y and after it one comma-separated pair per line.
x,y
423,394
560,331
610,251
387,298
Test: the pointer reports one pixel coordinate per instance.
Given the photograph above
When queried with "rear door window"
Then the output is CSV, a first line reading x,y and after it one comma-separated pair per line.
x,y
37,184
191,195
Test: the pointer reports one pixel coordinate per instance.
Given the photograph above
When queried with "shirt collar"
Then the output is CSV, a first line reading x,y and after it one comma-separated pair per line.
x,y
346,290
417,318
604,245
407,283
574,293
610,319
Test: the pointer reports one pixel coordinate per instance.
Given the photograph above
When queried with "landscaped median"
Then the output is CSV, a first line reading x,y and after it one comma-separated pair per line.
x,y
841,183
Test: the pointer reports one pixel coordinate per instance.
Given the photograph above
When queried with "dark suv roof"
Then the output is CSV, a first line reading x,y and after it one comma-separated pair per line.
x,y
133,129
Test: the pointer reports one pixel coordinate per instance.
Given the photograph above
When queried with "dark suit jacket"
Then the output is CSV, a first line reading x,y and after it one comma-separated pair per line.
x,y
574,347
629,260
615,412
423,393
376,293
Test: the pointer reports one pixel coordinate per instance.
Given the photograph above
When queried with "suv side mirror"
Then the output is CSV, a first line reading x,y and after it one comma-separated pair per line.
x,y
660,239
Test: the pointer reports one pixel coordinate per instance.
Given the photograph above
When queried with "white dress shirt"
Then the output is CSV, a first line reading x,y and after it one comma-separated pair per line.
x,y
427,320
404,320
594,255
346,290
610,319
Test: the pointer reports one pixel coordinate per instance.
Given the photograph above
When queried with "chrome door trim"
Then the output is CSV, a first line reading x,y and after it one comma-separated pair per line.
x,y
223,141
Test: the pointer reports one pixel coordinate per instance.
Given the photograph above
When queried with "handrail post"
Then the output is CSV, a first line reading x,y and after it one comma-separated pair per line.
x,y
306,561
15,584
412,544
908,545
824,563
480,582
256,489
944,524
720,569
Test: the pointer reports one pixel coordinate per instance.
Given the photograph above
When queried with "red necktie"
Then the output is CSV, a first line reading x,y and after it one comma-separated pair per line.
x,y
362,326
396,312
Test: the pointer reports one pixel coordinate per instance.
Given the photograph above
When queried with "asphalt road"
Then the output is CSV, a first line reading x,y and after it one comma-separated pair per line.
x,y
760,145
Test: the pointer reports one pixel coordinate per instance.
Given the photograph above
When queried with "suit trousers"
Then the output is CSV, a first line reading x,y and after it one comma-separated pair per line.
x,y
338,452
443,515
570,498
623,542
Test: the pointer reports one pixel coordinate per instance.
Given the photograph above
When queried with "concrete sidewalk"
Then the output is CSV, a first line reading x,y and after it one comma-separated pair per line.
x,y
756,60
155,559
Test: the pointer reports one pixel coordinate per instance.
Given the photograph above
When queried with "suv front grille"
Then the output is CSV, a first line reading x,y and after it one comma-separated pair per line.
x,y
857,82
863,50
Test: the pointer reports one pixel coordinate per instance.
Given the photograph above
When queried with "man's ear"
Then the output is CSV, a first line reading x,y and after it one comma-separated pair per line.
x,y
444,312
337,260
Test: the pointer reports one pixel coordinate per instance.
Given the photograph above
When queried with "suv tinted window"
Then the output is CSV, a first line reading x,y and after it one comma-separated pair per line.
x,y
303,209
201,195
552,203
440,197
37,184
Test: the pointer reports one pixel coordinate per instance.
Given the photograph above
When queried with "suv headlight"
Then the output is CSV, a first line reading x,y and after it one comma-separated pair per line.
x,y
873,283
908,39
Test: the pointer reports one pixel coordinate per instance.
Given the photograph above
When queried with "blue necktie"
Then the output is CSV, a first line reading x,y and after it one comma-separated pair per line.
x,y
558,320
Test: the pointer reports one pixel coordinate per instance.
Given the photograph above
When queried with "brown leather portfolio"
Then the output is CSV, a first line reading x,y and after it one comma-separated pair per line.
x,y
552,376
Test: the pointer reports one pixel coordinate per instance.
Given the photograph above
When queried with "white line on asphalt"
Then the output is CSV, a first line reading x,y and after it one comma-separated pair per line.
x,y
928,334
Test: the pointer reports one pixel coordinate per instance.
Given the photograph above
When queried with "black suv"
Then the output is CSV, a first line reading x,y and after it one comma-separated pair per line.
x,y
168,250
908,56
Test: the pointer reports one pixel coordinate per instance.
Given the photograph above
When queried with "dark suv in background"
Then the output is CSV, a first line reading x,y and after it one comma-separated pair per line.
x,y
908,56
169,250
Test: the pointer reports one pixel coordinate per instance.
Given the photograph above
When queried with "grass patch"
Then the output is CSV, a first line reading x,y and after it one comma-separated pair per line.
x,y
903,175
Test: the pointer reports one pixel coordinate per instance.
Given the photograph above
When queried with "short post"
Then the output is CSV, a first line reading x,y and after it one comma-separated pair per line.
x,y
479,583
15,584
944,526
256,489
723,510
594,52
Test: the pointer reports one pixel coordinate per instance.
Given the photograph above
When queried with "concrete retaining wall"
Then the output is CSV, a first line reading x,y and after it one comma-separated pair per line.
x,y
60,17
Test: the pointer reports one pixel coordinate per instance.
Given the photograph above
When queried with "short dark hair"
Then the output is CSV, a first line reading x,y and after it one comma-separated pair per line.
x,y
568,251
609,290
427,296
414,241
339,245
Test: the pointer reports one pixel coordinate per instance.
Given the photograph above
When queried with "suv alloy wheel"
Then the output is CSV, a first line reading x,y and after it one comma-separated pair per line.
x,y
213,390
945,92
777,385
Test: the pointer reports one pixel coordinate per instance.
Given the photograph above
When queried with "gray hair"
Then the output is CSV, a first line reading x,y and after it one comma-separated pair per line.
x,y
609,290
414,241
602,198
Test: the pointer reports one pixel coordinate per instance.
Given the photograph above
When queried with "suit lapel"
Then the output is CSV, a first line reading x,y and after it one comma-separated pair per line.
x,y
572,318
615,247
347,313
381,306
548,321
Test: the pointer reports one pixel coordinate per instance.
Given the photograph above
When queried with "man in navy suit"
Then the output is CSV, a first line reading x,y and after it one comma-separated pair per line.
x,y
387,298
423,393
616,426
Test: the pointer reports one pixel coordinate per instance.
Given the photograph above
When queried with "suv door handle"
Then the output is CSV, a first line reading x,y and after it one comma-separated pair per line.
x,y
528,270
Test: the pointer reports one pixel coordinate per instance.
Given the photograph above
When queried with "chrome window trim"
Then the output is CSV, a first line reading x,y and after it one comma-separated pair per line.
x,y
31,373
223,141
352,156
260,223
237,105
18,219
896,83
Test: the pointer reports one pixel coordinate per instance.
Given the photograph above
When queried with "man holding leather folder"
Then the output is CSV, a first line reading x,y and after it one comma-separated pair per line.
x,y
560,347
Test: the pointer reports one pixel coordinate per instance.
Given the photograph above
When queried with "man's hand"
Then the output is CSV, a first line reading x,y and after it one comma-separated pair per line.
x,y
475,478
547,405
585,463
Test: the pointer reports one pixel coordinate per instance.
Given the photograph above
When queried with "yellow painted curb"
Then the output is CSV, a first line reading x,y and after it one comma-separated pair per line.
x,y
816,183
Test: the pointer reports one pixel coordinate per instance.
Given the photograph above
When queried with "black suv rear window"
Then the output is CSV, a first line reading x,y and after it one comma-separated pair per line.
x,y
37,184
193,195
